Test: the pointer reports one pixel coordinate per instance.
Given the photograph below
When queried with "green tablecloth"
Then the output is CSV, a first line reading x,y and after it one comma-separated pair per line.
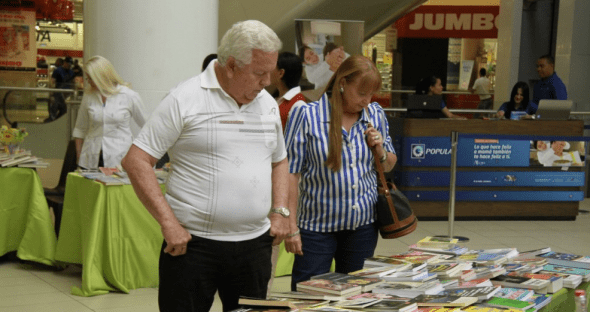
x,y
25,222
563,300
108,231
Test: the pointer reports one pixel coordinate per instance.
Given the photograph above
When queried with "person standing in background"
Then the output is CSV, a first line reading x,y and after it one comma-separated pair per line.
x,y
482,87
228,170
103,127
285,77
60,79
550,87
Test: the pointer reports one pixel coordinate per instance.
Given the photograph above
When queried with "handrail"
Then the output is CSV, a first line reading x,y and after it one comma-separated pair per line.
x,y
465,111
39,89
444,92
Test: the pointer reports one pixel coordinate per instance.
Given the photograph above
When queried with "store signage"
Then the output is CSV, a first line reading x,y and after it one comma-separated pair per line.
x,y
493,178
489,196
426,151
448,21
17,41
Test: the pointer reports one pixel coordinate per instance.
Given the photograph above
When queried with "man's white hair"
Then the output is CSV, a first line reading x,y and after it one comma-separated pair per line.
x,y
243,37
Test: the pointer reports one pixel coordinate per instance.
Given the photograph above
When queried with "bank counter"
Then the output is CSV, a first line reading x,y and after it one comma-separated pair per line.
x,y
496,179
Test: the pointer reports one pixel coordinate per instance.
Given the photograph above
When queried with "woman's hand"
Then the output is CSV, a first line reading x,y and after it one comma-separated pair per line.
x,y
374,138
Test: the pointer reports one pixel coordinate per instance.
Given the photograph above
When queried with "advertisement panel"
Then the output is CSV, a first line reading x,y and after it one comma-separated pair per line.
x,y
18,50
444,21
493,178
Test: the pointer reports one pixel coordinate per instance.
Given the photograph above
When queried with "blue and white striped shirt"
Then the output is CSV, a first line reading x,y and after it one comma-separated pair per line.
x,y
332,201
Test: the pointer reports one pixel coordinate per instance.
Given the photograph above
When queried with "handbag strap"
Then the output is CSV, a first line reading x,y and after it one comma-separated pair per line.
x,y
381,181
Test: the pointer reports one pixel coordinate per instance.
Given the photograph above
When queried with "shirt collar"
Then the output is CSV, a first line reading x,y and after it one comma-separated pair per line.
x,y
291,93
209,78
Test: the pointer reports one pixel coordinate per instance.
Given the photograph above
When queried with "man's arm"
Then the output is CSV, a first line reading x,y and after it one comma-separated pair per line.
x,y
279,227
138,165
293,244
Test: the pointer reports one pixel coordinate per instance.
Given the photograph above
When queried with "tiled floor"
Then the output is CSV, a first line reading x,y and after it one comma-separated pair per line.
x,y
27,287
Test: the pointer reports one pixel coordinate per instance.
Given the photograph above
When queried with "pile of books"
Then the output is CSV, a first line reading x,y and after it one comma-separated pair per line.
x,y
21,158
475,280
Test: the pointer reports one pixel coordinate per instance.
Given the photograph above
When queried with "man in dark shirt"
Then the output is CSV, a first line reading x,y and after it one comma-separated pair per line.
x,y
61,78
550,87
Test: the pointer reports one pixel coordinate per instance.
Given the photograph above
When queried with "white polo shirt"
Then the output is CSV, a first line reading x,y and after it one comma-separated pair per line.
x,y
221,157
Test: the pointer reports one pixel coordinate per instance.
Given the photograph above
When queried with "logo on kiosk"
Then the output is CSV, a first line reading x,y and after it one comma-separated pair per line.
x,y
418,151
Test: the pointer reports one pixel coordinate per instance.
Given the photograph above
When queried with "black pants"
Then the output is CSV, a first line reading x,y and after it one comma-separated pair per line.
x,y
58,108
189,282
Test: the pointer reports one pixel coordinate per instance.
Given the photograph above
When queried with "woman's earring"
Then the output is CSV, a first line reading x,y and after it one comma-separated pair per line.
x,y
341,90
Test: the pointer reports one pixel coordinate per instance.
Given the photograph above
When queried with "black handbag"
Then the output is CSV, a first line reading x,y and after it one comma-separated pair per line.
x,y
395,217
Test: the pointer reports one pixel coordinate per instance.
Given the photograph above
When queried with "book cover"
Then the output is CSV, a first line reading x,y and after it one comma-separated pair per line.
x,y
392,305
555,282
330,287
478,282
311,295
445,300
514,293
375,272
519,282
454,250
266,303
356,303
410,289
566,259
366,283
481,293
377,261
437,242
420,277
508,303
539,300
488,309
584,273
417,257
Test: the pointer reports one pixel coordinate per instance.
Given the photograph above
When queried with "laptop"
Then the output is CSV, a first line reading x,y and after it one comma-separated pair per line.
x,y
424,106
554,110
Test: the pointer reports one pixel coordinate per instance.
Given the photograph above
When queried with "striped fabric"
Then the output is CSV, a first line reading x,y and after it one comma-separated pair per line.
x,y
333,201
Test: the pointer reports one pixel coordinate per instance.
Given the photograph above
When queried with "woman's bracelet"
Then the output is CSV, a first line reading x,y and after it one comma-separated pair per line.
x,y
293,234
383,158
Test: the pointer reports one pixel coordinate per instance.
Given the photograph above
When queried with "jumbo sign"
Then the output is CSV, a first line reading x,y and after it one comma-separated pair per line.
x,y
436,21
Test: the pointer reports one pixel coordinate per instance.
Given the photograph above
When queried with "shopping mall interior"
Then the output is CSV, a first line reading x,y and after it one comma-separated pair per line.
x,y
157,44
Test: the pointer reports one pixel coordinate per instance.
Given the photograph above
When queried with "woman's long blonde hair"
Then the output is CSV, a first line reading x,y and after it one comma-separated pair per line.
x,y
354,67
104,76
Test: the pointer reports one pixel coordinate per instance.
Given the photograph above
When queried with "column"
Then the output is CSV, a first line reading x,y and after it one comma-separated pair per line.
x,y
507,61
153,44
572,53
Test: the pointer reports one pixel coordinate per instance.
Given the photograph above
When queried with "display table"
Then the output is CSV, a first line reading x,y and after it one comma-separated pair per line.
x,y
109,232
563,300
25,222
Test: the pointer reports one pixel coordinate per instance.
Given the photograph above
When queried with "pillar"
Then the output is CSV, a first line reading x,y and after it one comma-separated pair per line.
x,y
507,60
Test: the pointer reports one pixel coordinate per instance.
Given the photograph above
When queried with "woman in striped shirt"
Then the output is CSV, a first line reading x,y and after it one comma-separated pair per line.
x,y
333,180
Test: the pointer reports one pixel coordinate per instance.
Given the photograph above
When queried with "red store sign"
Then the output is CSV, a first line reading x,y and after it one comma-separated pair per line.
x,y
442,21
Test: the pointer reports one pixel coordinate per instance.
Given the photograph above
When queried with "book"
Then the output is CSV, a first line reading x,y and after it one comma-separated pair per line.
x,y
375,272
379,261
310,295
508,303
481,259
478,282
481,293
417,257
454,250
519,282
392,305
534,252
555,282
39,163
437,242
437,309
522,267
108,171
489,271
366,283
445,300
446,269
356,303
488,309
566,259
539,301
419,277
17,160
329,287
409,289
569,280
514,293
113,180
266,303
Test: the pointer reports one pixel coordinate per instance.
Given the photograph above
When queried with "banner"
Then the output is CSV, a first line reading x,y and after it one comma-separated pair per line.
x,y
323,45
18,50
446,21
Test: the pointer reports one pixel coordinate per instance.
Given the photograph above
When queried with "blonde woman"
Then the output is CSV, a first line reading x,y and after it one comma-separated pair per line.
x,y
103,133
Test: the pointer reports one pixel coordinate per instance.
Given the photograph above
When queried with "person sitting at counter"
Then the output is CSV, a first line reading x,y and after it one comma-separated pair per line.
x,y
519,102
560,158
432,85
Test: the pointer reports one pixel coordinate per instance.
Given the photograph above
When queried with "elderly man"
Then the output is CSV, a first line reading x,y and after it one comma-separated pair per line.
x,y
550,87
228,169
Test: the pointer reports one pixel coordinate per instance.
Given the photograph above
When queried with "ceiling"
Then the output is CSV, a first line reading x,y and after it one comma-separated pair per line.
x,y
280,14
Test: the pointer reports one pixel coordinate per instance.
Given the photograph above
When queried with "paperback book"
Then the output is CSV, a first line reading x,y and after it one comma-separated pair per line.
x,y
329,287
555,282
445,300
437,242
409,289
508,303
565,259
481,293
519,282
514,293
366,283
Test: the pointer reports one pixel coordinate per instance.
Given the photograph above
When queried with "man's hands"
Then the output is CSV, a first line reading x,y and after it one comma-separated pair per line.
x,y
279,227
293,245
176,238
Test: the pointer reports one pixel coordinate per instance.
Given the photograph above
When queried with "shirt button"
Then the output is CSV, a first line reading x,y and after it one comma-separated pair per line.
x,y
354,187
350,145
351,165
355,207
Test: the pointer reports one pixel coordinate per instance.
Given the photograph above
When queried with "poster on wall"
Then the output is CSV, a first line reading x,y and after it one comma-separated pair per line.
x,y
465,74
323,45
18,50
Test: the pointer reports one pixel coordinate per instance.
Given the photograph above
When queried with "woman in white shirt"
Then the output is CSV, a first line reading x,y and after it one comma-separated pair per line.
x,y
103,133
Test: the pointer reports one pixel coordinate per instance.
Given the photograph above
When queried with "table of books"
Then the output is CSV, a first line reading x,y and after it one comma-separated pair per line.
x,y
563,300
108,231
25,221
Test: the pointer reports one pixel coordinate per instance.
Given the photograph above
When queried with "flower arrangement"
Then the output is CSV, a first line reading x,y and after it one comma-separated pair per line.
x,y
11,137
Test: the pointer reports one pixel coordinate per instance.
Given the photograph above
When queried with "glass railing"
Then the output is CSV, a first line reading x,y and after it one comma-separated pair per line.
x,y
32,105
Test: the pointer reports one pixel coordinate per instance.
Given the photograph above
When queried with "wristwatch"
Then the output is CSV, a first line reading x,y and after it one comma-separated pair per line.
x,y
282,211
